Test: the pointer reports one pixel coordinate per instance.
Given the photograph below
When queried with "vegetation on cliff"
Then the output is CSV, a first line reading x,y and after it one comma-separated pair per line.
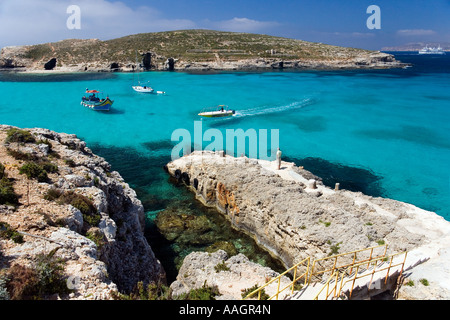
x,y
188,46
59,229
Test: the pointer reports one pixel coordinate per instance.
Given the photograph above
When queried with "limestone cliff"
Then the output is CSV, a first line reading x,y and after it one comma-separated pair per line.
x,y
65,203
294,216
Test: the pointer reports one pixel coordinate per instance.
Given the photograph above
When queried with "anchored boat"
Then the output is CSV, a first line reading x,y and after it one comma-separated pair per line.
x,y
219,111
143,89
93,102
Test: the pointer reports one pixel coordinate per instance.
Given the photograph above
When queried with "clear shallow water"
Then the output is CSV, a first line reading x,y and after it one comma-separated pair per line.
x,y
386,133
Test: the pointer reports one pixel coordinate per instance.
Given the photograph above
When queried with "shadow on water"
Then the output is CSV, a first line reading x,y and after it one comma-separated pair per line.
x,y
13,76
414,134
114,111
349,178
164,197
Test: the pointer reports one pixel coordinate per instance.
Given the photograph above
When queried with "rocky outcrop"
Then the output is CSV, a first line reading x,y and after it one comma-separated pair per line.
x,y
169,65
82,209
232,276
295,216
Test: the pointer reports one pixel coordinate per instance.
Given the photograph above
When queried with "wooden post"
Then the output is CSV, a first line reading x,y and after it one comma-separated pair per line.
x,y
336,187
28,192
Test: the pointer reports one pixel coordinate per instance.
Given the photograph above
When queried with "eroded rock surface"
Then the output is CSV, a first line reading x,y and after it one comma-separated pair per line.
x,y
85,211
295,216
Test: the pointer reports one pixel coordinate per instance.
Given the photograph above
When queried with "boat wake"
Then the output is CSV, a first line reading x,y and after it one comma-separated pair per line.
x,y
265,110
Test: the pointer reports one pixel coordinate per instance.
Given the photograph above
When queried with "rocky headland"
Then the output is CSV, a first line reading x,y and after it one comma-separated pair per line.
x,y
189,50
70,228
292,214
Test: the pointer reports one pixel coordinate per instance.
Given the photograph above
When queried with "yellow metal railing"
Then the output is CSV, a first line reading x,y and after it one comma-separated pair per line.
x,y
376,269
291,284
354,257
335,277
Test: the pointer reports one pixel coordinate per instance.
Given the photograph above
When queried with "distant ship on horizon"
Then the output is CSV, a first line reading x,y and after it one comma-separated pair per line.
x,y
428,50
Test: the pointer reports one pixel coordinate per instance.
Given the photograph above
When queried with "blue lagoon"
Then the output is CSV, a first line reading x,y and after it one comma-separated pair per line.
x,y
382,132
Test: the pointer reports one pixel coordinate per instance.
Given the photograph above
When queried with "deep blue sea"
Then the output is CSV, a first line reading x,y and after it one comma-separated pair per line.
x,y
383,132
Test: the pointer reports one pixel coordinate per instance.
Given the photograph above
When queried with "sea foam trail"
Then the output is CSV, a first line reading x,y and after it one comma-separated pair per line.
x,y
264,110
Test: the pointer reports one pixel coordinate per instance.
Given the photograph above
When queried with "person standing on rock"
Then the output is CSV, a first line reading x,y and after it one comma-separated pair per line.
x,y
279,158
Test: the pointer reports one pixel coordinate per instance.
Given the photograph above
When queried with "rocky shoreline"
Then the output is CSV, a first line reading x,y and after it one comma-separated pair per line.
x,y
374,61
67,207
294,216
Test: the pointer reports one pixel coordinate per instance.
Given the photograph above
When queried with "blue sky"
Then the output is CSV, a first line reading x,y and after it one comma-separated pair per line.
x,y
341,22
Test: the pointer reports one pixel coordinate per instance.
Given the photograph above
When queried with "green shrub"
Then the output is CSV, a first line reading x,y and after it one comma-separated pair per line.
x,y
22,283
2,171
82,203
18,135
424,282
34,171
7,193
4,294
70,163
203,293
79,201
97,237
7,232
53,194
50,272
38,170
246,292
19,155
49,167
45,277
152,291
221,267
334,249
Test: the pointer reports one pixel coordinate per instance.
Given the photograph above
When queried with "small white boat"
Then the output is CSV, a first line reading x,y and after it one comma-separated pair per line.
x,y
143,89
218,112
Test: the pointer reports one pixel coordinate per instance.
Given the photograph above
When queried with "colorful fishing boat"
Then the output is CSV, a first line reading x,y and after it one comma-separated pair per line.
x,y
93,102
219,111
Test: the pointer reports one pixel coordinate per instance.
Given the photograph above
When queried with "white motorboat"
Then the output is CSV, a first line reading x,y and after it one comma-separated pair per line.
x,y
219,111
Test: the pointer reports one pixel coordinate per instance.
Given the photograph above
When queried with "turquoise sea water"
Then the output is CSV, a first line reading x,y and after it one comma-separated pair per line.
x,y
386,133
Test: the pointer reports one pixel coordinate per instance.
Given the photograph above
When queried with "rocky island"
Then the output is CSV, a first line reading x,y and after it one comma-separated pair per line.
x,y
184,50
294,215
